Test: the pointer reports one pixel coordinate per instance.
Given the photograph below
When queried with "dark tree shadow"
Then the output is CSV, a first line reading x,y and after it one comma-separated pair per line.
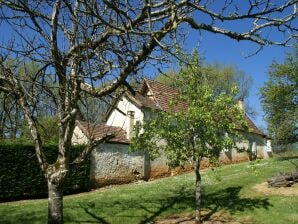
x,y
94,216
147,210
227,199
87,208
182,196
230,200
292,159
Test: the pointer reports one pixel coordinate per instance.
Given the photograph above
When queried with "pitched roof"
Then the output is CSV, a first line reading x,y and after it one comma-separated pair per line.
x,y
161,96
142,101
252,127
164,96
97,131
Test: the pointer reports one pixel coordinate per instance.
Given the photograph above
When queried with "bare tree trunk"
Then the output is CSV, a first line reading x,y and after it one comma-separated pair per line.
x,y
198,192
55,203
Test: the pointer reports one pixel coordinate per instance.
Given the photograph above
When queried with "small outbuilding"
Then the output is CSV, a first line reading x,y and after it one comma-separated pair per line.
x,y
113,163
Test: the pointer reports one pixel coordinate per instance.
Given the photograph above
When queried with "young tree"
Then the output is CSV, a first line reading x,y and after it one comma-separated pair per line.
x,y
280,100
102,43
209,123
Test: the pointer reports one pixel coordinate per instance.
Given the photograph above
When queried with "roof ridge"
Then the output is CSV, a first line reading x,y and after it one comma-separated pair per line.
x,y
150,80
254,125
99,130
164,97
154,97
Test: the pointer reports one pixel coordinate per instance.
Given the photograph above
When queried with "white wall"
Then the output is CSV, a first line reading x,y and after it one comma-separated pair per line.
x,y
78,137
120,120
253,143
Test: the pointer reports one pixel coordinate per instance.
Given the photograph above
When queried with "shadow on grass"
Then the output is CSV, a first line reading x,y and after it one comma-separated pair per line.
x,y
292,159
182,199
24,218
229,200
93,215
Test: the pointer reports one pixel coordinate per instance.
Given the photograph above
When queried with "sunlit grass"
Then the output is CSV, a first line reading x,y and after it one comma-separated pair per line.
x,y
227,189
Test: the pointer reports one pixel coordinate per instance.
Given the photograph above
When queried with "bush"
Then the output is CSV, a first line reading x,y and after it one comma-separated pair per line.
x,y
21,176
48,129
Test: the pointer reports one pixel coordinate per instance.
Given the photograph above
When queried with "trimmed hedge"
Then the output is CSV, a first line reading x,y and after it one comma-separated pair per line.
x,y
21,176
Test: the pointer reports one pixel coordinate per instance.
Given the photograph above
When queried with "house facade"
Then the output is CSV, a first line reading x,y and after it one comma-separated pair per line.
x,y
113,163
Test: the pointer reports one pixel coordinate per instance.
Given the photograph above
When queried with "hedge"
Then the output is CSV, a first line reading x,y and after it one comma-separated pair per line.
x,y
21,176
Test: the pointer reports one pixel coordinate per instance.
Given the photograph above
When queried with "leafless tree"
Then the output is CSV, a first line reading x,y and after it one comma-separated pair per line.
x,y
96,46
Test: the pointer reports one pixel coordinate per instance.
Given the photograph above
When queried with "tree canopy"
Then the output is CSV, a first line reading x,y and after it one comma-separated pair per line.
x,y
280,100
95,47
208,123
219,77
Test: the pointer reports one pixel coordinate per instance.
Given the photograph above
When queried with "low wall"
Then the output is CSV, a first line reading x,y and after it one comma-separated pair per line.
x,y
114,164
159,168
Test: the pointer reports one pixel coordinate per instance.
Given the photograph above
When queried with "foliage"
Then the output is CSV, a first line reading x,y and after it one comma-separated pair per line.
x,y
96,47
205,126
207,122
48,129
280,100
223,78
11,115
233,195
219,77
21,177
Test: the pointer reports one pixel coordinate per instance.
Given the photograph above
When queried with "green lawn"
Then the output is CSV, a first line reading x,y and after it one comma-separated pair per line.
x,y
228,189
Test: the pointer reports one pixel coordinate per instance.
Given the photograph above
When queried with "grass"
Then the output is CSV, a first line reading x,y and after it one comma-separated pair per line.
x,y
228,189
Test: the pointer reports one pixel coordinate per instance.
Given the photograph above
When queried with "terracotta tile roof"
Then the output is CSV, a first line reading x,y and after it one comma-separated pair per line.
x,y
142,101
98,131
253,128
164,95
161,98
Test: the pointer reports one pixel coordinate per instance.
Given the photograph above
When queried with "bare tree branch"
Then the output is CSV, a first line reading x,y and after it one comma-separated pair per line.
x,y
94,47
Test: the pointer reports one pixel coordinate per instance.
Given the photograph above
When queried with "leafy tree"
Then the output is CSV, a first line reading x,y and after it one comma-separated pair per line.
x,y
220,77
224,77
207,125
47,127
11,114
280,100
94,47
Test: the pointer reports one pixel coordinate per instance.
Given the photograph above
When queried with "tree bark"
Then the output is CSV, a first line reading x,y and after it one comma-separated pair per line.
x,y
198,192
55,203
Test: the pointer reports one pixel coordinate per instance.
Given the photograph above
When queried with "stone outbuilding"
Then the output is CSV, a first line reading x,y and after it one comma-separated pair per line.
x,y
113,163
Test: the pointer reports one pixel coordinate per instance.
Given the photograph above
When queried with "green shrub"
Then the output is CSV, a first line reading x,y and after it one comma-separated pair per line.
x,y
21,176
48,129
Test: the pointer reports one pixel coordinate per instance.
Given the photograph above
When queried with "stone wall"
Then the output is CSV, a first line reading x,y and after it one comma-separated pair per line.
x,y
255,147
114,164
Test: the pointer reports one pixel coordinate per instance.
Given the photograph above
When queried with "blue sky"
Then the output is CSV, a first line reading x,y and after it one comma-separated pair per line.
x,y
221,49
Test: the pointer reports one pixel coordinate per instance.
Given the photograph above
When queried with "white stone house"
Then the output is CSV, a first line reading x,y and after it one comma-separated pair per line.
x,y
112,163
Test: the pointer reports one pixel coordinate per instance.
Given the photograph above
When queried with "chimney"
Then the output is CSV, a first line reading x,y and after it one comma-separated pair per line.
x,y
131,118
241,105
